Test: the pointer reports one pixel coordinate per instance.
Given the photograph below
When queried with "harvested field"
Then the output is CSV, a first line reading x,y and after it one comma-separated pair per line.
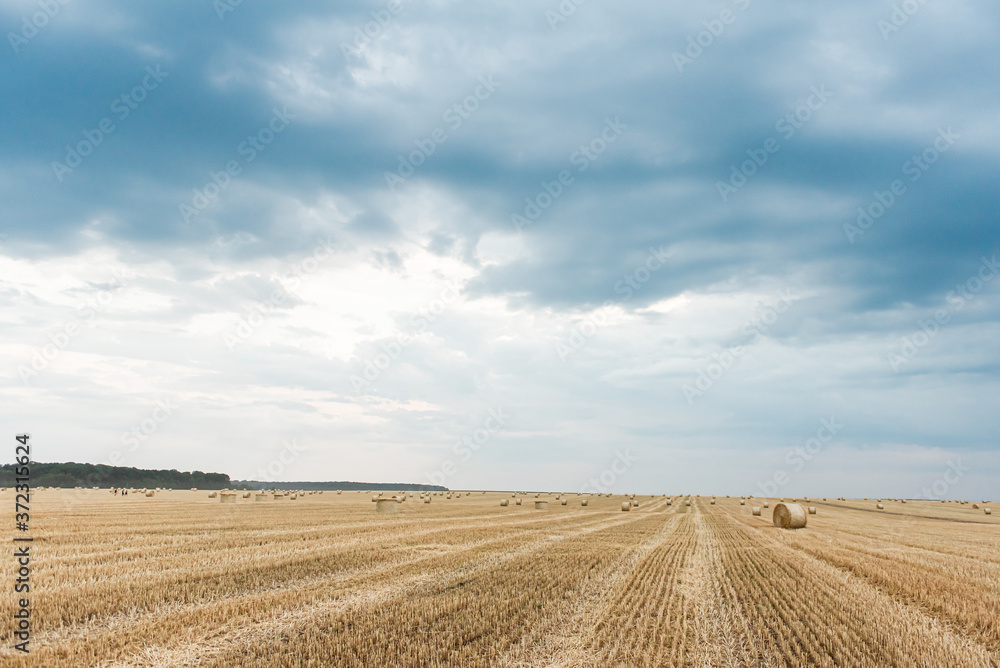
x,y
179,579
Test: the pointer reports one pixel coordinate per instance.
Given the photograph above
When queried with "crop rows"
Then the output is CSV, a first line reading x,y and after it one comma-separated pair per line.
x,y
173,581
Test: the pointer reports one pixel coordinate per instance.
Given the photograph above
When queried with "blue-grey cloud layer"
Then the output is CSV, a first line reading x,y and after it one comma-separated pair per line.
x,y
558,86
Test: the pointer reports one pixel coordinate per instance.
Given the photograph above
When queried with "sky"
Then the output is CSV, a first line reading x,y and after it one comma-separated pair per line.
x,y
718,248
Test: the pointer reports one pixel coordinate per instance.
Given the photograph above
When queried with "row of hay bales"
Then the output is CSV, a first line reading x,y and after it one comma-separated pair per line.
x,y
228,496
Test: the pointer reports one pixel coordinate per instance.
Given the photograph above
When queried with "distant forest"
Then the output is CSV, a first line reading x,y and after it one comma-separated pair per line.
x,y
71,474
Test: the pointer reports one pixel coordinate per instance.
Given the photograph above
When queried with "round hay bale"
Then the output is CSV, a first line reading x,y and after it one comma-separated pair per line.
x,y
503,503
789,516
564,501
294,496
987,511
517,502
626,506
670,502
246,495
386,506
541,505
767,504
812,510
212,495
879,506
975,506
743,502
756,511
583,502
150,493
427,499
712,502
687,502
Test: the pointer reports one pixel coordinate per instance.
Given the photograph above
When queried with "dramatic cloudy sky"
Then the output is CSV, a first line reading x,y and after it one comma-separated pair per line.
x,y
614,242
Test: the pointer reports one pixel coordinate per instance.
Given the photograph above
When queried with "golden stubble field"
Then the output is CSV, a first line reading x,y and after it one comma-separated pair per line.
x,y
184,580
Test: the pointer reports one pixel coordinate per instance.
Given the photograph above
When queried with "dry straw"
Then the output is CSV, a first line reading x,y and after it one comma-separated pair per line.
x,y
227,498
541,505
789,516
